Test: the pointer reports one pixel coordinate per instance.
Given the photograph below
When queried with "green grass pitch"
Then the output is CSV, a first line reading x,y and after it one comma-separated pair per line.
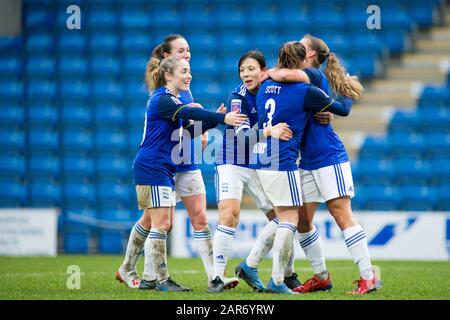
x,y
46,278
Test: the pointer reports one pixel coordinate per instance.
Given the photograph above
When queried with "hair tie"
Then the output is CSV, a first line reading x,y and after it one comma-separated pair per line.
x,y
328,54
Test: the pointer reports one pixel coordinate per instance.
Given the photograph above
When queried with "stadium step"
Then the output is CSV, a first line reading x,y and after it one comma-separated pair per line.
x,y
399,89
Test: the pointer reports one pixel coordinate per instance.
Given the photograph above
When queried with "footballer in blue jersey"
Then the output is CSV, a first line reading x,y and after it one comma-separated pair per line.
x,y
154,166
232,161
326,177
276,160
189,186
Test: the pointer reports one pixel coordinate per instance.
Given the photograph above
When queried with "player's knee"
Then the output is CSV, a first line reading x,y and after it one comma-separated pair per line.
x,y
228,218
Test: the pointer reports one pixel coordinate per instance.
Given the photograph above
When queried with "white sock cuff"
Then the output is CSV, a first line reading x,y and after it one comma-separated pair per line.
x,y
204,234
141,230
353,235
308,238
157,234
226,231
287,225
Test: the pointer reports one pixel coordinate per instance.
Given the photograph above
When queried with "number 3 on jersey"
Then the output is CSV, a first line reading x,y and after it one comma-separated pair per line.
x,y
270,104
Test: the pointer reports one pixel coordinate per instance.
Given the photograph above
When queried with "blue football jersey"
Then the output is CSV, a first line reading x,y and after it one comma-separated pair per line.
x,y
291,103
235,150
320,146
153,164
187,145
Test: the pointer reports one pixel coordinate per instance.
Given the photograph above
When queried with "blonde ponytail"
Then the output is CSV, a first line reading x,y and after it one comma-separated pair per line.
x,y
342,83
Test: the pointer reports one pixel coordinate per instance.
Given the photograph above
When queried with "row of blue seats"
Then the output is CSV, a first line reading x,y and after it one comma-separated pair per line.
x,y
403,171
207,16
410,198
425,119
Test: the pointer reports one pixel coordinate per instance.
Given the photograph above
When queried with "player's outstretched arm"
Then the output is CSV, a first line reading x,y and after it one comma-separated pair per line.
x,y
316,100
288,75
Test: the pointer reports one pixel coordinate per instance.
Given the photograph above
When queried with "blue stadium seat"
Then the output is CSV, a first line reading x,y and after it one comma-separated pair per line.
x,y
198,16
444,197
373,148
78,166
40,138
224,21
73,113
114,166
81,192
102,19
164,15
398,41
435,120
262,14
137,41
13,114
136,114
108,113
42,113
117,192
134,19
406,144
74,89
134,65
45,194
40,65
11,90
438,145
111,242
11,44
12,165
42,89
294,17
374,171
441,170
44,165
76,241
40,42
105,66
114,140
419,198
106,90
72,42
378,197
136,92
12,139
408,172
395,18
12,194
72,66
10,66
424,13
116,215
77,139
404,123
103,42
434,97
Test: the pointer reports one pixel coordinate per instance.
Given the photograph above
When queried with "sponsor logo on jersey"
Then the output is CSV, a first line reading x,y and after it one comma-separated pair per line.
x,y
254,110
236,105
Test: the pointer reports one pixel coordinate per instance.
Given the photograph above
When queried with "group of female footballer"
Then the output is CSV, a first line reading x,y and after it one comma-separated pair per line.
x,y
295,162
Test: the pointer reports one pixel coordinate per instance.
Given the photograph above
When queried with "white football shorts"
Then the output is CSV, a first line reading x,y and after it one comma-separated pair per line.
x,y
281,187
327,183
149,197
189,183
230,181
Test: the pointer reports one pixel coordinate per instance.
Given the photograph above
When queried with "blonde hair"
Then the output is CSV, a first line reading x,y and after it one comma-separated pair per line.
x,y
291,55
151,71
155,73
341,82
